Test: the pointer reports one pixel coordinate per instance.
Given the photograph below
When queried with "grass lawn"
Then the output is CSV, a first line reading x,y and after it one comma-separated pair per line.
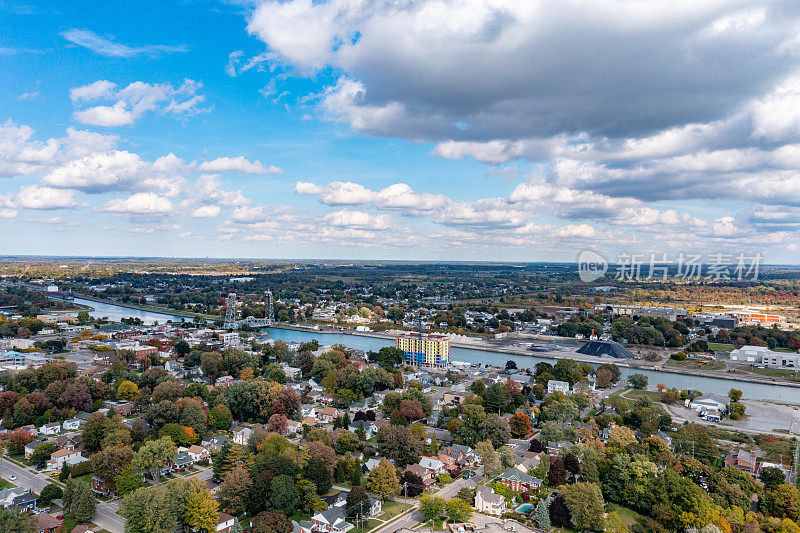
x,y
720,347
392,509
86,478
629,516
776,372
635,394
696,364
6,484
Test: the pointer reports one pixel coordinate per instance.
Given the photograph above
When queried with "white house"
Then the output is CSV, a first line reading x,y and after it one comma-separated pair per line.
x,y
225,523
554,385
489,502
51,428
435,466
73,424
61,457
241,435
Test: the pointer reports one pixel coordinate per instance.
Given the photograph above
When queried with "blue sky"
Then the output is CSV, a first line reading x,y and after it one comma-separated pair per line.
x,y
469,130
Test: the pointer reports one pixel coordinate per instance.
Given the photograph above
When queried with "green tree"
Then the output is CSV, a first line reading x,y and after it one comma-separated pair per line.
x,y
457,510
148,510
432,507
109,463
542,515
489,458
220,417
357,503
638,381
585,504
128,480
771,477
49,493
382,481
614,524
154,455
82,504
17,521
283,495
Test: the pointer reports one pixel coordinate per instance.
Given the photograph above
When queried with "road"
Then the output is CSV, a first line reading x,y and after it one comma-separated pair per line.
x,y
105,515
449,491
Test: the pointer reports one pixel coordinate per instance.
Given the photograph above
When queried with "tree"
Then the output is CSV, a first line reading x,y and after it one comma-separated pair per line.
x,y
604,378
412,484
559,512
220,417
233,490
399,444
94,431
390,357
182,348
17,521
79,502
638,381
108,464
357,503
42,452
193,415
489,458
520,425
127,390
154,455
49,493
201,512
585,504
148,510
507,457
315,469
277,423
557,472
432,507
128,480
542,515
457,510
382,480
271,522
771,477
283,495
310,502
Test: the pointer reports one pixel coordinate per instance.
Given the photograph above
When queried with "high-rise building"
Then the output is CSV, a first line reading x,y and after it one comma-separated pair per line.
x,y
425,350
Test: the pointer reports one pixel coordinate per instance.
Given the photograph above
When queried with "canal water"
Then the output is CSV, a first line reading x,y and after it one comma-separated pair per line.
x,y
750,390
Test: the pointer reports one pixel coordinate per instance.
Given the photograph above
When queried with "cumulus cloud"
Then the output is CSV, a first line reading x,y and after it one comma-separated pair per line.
x,y
238,164
398,196
134,100
143,203
106,46
206,211
36,197
357,219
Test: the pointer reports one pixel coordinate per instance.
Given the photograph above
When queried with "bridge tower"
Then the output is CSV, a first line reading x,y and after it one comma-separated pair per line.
x,y
269,311
230,312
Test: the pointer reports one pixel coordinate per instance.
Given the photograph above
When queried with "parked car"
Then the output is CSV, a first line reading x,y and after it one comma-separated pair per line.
x,y
12,477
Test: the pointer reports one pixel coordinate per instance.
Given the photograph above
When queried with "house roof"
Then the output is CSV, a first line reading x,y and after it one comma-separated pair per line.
x,y
489,495
515,474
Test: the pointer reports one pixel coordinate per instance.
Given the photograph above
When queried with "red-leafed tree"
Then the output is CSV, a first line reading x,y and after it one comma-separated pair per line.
x,y
520,425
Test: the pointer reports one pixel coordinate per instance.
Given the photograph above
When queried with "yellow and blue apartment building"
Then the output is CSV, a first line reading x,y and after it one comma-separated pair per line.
x,y
424,349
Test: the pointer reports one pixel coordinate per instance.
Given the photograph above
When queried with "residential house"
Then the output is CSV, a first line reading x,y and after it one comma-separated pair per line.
x,y
787,472
294,427
370,464
557,386
215,444
308,410
488,502
46,523
332,520
99,486
120,407
223,381
424,474
743,460
433,465
17,498
61,457
328,414
51,428
225,523
554,447
31,446
519,481
198,453
370,429
241,434
181,461
73,424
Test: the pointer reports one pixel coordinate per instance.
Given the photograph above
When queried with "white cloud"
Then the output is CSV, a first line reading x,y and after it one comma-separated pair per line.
x,y
398,196
105,46
36,197
357,219
133,101
206,211
143,203
238,164
7,206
